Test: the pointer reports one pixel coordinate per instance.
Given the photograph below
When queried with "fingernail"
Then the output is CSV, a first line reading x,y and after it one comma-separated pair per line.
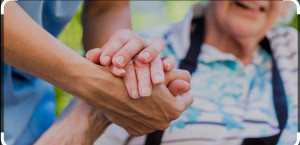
x,y
146,56
135,94
187,87
120,60
87,55
168,65
158,79
106,60
145,92
121,71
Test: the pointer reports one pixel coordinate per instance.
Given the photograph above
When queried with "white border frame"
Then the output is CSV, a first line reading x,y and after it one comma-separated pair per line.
x,y
294,1
3,4
2,139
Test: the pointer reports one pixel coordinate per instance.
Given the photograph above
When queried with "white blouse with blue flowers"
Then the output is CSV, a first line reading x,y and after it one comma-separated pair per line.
x,y
232,101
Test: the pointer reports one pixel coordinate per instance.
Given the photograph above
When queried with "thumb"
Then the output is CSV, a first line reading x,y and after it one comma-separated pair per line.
x,y
177,87
177,74
93,55
184,101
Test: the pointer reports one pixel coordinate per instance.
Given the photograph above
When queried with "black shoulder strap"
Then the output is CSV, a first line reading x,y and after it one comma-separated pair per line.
x,y
190,63
279,99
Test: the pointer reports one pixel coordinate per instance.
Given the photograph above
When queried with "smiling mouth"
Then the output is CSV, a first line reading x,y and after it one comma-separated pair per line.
x,y
250,6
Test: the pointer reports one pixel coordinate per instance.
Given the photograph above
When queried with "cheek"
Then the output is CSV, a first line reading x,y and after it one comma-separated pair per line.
x,y
275,10
220,8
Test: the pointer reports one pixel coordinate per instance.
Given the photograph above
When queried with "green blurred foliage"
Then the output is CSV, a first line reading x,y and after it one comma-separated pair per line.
x,y
144,15
177,10
149,14
294,23
71,36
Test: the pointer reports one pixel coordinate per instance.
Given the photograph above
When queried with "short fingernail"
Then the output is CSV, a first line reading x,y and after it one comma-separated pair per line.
x,y
168,65
146,56
158,79
120,60
135,94
106,60
121,71
145,91
87,55
187,87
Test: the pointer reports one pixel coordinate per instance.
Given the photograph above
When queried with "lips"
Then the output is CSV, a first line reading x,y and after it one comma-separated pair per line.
x,y
249,5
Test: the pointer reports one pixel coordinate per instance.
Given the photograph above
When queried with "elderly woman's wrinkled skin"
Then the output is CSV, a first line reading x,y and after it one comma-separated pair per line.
x,y
237,26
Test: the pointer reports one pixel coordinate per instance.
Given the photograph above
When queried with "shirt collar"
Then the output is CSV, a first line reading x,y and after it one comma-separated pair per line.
x,y
179,37
212,54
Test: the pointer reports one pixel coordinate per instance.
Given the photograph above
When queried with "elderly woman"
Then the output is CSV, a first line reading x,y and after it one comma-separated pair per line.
x,y
244,77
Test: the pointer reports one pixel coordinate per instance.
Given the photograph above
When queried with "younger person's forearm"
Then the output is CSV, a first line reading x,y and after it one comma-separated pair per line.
x,y
30,48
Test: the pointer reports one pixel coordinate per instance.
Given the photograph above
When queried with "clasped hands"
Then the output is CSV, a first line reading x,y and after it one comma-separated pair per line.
x,y
130,57
138,72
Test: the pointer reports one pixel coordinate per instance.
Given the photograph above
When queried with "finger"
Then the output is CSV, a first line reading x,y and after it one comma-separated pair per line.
x,y
115,43
143,76
119,72
93,55
130,81
178,87
169,62
151,51
184,101
126,53
157,72
176,74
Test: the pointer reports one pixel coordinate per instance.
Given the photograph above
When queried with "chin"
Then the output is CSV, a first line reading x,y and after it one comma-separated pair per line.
x,y
245,29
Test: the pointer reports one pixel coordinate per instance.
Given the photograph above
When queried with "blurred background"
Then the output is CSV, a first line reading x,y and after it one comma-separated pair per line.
x,y
144,15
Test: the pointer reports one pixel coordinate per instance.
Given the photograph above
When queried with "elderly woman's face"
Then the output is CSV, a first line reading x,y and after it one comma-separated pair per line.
x,y
246,18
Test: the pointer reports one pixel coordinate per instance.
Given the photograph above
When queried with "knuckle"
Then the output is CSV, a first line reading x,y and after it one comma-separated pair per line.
x,y
187,75
122,35
159,42
174,115
124,32
126,53
133,133
139,41
163,126
158,45
119,39
136,133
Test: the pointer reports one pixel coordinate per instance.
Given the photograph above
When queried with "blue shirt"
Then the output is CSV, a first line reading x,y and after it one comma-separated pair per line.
x,y
29,102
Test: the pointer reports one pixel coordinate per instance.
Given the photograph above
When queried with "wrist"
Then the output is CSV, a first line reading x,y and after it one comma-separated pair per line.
x,y
82,126
96,84
95,125
86,124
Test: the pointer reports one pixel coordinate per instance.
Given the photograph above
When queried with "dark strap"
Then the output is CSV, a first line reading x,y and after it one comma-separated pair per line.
x,y
190,63
154,138
280,103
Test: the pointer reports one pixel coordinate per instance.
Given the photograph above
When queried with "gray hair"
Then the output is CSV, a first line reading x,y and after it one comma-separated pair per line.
x,y
290,13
